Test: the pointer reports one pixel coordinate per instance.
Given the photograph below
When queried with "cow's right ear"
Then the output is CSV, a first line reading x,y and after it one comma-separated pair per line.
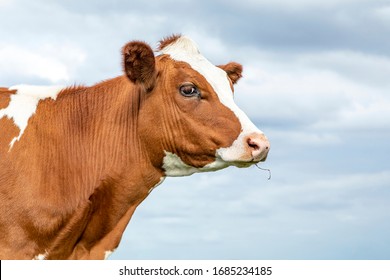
x,y
139,64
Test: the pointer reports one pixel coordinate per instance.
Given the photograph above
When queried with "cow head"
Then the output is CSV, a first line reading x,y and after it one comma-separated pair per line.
x,y
188,120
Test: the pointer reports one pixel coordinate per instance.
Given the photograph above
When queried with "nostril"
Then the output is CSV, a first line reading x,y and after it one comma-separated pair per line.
x,y
255,146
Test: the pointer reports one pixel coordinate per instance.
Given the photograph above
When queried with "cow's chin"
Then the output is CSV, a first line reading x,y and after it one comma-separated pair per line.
x,y
247,163
241,163
174,166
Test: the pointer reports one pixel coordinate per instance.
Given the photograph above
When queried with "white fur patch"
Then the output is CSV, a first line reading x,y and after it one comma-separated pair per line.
x,y
41,257
184,49
175,167
107,254
24,103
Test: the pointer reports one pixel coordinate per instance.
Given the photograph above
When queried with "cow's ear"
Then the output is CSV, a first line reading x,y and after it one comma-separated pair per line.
x,y
139,64
234,71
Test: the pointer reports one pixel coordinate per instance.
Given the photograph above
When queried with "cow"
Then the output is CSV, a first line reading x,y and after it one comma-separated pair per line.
x,y
75,162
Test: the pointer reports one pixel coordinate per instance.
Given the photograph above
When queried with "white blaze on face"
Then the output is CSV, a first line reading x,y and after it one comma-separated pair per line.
x,y
184,49
24,102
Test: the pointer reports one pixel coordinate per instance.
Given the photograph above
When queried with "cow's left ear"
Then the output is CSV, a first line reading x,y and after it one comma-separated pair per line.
x,y
234,71
139,64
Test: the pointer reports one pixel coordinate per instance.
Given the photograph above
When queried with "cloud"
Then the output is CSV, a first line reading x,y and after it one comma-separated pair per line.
x,y
372,117
4,3
383,14
306,25
318,93
50,63
368,69
270,24
292,208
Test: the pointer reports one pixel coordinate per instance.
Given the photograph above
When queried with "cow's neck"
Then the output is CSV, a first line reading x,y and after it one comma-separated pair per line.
x,y
106,170
96,134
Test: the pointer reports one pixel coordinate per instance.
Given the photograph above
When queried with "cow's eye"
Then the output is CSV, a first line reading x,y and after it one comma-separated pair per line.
x,y
189,90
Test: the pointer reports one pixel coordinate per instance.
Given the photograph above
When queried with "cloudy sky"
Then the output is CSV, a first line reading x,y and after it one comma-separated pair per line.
x,y
316,81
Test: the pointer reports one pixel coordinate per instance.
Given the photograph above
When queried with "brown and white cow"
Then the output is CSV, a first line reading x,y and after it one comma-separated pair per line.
x,y
76,162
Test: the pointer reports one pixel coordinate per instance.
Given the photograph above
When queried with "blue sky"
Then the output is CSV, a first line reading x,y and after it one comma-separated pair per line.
x,y
316,81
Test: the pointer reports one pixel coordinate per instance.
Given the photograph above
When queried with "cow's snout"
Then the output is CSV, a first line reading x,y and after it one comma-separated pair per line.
x,y
246,149
258,146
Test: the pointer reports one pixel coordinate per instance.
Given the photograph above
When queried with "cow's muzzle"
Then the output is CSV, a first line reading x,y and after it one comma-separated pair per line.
x,y
258,146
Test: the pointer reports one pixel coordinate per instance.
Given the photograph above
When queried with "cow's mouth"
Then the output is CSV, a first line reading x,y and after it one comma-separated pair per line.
x,y
243,164
247,163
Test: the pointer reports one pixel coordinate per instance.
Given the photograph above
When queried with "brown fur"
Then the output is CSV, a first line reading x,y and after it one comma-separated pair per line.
x,y
74,149
167,41
234,71
5,97
139,64
6,125
85,162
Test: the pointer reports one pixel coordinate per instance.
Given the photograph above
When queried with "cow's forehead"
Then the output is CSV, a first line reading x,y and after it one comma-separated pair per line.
x,y
184,49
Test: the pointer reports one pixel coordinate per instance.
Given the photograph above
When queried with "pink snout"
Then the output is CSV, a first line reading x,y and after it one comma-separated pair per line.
x,y
258,146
